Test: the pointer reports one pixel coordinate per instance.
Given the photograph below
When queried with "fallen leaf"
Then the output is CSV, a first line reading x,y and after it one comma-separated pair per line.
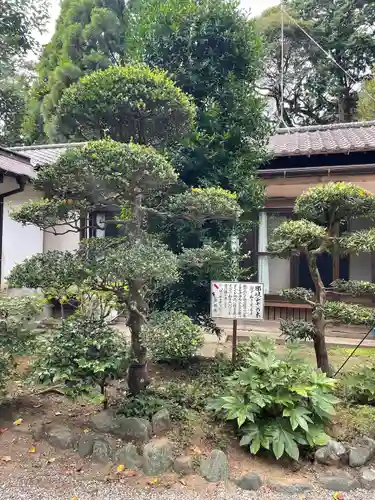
x,y
154,481
32,449
51,460
3,429
6,458
196,450
18,421
57,413
120,468
37,406
86,431
338,496
75,498
183,482
130,473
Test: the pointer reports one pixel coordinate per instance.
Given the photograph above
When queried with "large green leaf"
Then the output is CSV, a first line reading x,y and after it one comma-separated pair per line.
x,y
299,417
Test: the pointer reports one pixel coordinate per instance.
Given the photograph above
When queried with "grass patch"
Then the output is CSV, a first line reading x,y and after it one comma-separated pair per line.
x,y
361,352
353,421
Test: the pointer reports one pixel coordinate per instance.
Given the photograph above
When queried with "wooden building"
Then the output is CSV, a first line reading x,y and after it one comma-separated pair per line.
x,y
301,158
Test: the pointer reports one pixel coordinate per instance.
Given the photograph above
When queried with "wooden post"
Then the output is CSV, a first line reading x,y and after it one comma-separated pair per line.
x,y
234,342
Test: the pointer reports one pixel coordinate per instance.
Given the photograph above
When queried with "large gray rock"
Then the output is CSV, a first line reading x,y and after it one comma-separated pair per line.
x,y
133,429
102,451
105,422
360,456
161,422
250,481
339,483
128,456
183,465
332,454
367,478
157,457
61,437
215,467
291,489
86,445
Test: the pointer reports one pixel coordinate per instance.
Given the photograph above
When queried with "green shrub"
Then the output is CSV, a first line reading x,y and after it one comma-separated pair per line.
x,y
358,386
277,404
148,402
17,332
172,336
82,354
294,330
261,345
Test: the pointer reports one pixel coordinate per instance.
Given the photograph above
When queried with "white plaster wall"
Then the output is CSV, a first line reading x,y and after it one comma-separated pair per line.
x,y
19,242
360,265
68,241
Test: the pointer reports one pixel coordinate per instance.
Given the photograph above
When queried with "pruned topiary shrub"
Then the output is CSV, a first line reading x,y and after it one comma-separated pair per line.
x,y
172,336
278,405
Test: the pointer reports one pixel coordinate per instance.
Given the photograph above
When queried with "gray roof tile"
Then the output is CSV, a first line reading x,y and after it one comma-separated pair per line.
x,y
298,141
323,139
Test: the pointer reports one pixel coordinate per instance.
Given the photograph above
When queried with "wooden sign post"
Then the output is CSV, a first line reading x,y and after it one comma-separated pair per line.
x,y
237,300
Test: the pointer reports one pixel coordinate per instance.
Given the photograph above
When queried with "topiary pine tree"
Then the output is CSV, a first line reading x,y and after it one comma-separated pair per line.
x,y
322,210
134,177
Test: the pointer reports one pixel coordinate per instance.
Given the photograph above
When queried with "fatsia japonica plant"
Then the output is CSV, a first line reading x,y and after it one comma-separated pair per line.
x,y
278,405
323,211
134,178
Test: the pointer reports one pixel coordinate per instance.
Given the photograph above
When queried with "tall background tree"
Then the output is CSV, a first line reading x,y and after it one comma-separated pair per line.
x,y
366,101
89,35
317,90
20,24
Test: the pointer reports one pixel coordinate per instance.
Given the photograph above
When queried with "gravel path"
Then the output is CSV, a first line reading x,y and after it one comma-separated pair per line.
x,y
14,488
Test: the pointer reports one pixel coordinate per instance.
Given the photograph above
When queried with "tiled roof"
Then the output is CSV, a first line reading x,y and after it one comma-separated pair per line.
x,y
323,139
298,141
15,163
44,154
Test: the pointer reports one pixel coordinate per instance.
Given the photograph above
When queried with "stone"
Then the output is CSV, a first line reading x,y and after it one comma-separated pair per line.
x,y
133,429
86,445
339,483
102,451
157,457
331,454
360,455
291,489
128,456
61,437
367,478
215,467
37,431
183,465
161,422
105,422
250,481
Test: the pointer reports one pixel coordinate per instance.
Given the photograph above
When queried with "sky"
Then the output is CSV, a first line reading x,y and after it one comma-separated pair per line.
x,y
256,7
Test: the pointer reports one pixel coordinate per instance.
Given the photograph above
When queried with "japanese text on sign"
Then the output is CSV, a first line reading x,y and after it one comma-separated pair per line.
x,y
237,300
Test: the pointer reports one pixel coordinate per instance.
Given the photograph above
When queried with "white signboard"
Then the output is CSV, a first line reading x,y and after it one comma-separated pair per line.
x,y
237,300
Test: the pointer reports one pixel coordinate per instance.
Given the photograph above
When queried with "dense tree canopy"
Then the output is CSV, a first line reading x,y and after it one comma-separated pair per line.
x,y
20,22
214,54
89,35
317,90
366,101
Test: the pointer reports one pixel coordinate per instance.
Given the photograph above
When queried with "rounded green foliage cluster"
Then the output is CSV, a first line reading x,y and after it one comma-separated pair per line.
x,y
349,314
127,103
277,404
295,236
354,288
335,201
172,336
203,204
358,386
295,330
105,171
17,331
82,354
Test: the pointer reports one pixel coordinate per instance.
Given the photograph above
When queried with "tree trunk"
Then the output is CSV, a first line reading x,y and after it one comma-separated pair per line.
x,y
138,377
320,346
318,321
